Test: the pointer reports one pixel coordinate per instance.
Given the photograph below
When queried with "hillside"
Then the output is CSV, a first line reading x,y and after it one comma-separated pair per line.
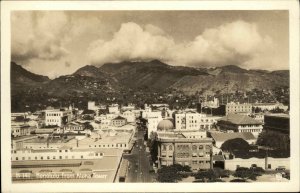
x,y
150,75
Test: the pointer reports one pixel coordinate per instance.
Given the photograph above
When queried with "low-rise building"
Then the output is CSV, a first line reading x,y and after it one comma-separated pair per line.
x,y
129,115
241,108
118,121
270,106
21,129
194,121
220,138
240,123
57,117
176,149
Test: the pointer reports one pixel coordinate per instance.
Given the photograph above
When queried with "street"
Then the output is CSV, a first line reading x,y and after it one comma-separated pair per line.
x,y
139,165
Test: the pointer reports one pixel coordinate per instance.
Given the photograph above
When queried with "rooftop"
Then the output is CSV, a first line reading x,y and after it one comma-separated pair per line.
x,y
228,136
239,119
278,115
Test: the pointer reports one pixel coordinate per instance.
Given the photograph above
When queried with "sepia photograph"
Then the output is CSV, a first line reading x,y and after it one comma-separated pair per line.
x,y
160,95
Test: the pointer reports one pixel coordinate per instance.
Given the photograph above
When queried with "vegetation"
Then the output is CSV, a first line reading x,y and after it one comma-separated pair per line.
x,y
237,144
274,141
153,146
172,173
246,173
211,175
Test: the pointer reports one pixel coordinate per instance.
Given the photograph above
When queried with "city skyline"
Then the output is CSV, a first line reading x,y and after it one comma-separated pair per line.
x,y
60,42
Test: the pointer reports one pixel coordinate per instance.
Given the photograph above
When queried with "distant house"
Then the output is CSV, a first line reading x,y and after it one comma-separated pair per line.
x,y
73,127
220,138
118,121
240,123
244,108
88,114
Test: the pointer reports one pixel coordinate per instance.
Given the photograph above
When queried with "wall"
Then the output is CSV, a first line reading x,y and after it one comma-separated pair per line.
x,y
260,162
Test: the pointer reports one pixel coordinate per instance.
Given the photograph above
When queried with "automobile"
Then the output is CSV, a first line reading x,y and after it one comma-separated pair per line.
x,y
280,169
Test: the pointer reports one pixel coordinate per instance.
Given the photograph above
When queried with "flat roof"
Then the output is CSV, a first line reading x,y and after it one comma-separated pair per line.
x,y
279,115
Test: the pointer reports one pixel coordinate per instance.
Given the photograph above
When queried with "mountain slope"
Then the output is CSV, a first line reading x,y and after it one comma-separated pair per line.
x,y
152,75
23,76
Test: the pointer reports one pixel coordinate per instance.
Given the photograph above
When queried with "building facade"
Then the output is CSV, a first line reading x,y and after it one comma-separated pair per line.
x,y
241,108
194,121
240,123
195,153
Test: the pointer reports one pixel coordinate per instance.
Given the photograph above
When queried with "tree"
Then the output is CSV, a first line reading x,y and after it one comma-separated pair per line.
x,y
153,146
172,173
274,141
246,173
236,144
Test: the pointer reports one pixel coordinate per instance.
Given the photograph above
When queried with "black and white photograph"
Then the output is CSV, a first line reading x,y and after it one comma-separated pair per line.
x,y
194,97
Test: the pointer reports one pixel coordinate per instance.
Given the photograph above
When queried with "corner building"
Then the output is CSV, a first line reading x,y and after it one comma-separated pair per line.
x,y
175,148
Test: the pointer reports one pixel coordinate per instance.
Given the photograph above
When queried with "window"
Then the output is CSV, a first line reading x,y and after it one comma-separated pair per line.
x,y
194,147
82,157
35,158
17,158
200,146
170,147
48,157
96,154
54,157
269,166
164,148
29,158
42,157
66,150
60,157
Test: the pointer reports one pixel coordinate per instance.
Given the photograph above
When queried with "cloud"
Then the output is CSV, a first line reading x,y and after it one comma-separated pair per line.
x,y
237,43
131,42
35,35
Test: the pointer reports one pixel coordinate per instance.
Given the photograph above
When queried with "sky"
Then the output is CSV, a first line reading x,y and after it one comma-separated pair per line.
x,y
55,43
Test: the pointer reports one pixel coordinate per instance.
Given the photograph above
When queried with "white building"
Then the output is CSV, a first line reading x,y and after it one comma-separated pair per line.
x,y
55,154
114,109
211,104
240,123
241,108
151,114
194,121
57,117
130,116
270,106
152,123
21,129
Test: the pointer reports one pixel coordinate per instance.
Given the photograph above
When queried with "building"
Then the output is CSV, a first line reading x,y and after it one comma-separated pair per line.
x,y
129,115
66,165
240,123
174,148
57,117
211,104
118,121
74,127
114,109
220,138
279,123
152,123
21,129
241,108
265,163
270,106
194,121
195,153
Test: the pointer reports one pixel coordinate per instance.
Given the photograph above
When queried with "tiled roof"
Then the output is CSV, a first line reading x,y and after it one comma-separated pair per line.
x,y
227,136
119,117
239,119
